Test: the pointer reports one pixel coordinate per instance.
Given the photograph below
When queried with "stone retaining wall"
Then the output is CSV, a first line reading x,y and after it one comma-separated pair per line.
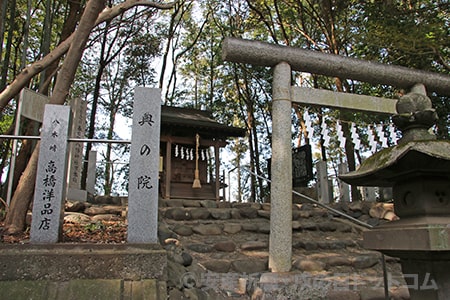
x,y
83,271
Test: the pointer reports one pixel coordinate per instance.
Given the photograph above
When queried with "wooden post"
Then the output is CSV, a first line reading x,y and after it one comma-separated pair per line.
x,y
217,175
168,169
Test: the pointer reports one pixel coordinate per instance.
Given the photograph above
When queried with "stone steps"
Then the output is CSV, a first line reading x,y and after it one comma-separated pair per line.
x,y
222,250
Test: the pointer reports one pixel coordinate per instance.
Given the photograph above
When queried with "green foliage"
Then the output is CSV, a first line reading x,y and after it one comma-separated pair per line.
x,y
5,122
16,26
414,35
411,35
188,40
141,50
92,227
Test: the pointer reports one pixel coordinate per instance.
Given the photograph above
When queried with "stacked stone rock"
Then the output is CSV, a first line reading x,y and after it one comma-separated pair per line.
x,y
219,250
230,242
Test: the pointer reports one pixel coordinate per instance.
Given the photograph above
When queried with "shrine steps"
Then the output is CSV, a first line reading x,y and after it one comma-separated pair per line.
x,y
220,250
184,190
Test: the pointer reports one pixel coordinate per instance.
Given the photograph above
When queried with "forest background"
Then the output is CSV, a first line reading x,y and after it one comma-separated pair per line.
x,y
100,50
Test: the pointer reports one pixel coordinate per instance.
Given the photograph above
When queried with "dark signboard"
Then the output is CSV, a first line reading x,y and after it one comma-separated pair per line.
x,y
302,171
301,166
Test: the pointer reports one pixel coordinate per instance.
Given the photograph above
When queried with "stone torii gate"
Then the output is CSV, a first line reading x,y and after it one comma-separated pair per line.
x,y
285,59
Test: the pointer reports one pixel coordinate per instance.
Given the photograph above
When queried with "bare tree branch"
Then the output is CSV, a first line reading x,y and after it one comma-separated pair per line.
x,y
441,58
24,77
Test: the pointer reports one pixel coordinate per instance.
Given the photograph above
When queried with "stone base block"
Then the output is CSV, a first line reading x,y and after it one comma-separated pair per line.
x,y
84,289
83,271
63,262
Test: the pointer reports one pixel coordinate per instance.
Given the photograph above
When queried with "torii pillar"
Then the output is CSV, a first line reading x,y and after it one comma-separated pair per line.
x,y
283,59
280,242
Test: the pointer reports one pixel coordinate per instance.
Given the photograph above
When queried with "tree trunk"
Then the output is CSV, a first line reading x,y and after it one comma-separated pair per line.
x,y
170,35
4,153
252,151
15,221
3,8
16,217
257,166
69,27
25,152
5,65
351,161
109,169
95,98
67,74
46,39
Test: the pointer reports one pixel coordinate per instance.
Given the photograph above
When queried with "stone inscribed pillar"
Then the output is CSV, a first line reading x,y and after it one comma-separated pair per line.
x,y
369,194
49,194
324,189
144,167
91,177
74,191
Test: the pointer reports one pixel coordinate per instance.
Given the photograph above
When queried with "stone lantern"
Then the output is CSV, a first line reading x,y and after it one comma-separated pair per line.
x,y
418,170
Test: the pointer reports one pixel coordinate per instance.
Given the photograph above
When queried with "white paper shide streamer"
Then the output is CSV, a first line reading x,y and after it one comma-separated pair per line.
x,y
377,133
188,153
325,134
392,134
382,138
340,135
308,124
355,137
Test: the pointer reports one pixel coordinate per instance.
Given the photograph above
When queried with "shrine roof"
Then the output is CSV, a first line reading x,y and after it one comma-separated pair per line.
x,y
184,121
401,162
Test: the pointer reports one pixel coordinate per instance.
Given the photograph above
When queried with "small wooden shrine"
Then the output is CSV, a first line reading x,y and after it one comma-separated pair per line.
x,y
189,150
